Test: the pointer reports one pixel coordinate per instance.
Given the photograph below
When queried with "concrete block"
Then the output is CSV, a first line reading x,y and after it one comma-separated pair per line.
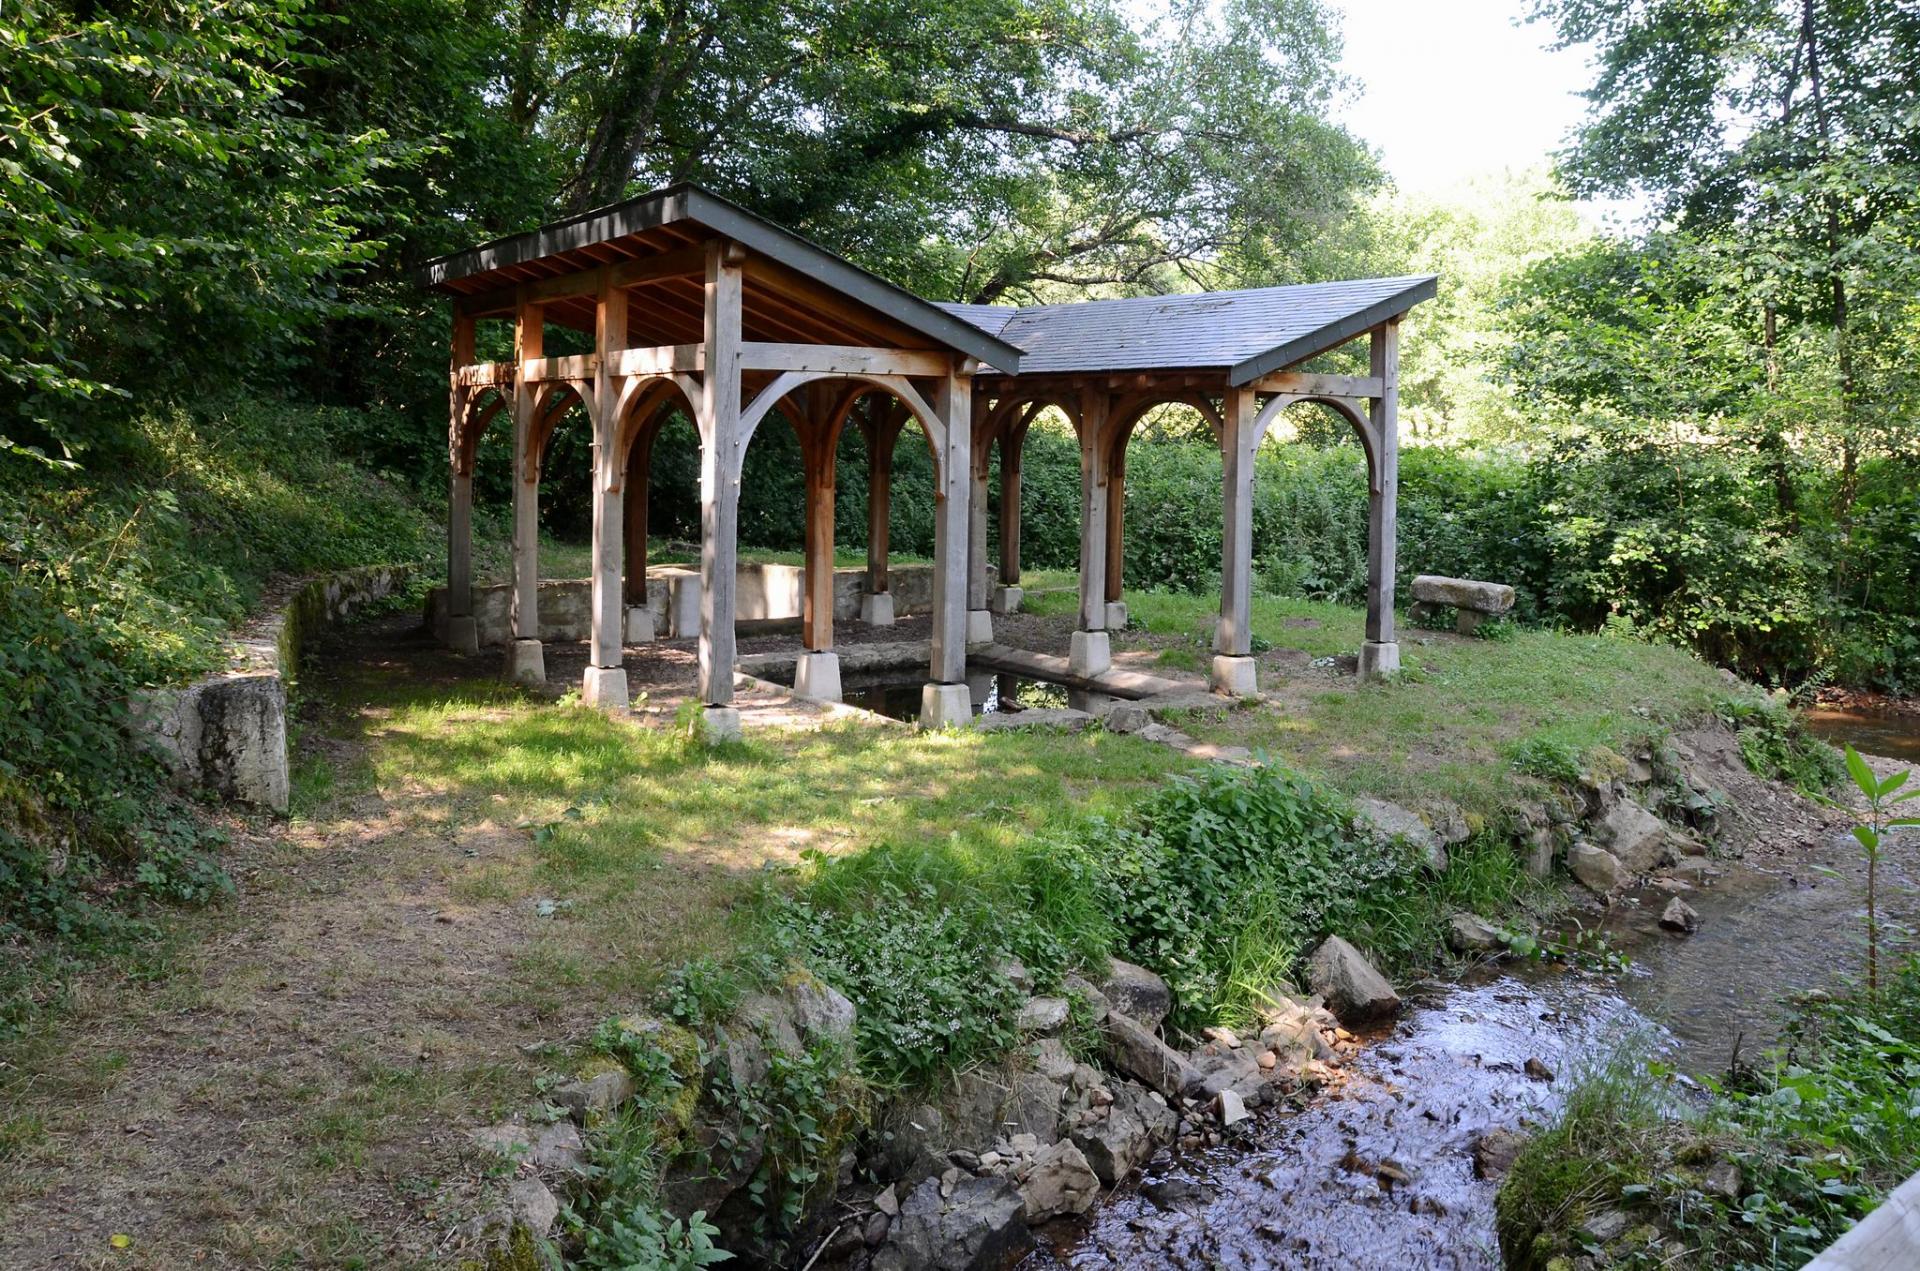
x,y
526,663
876,609
1377,661
722,724
683,601
642,624
1235,676
979,626
1464,593
1006,599
605,687
463,634
1090,653
1116,615
817,675
945,705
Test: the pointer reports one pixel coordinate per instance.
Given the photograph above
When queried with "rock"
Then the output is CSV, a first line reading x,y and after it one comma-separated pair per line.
x,y
1078,986
1352,988
1597,869
1679,916
1219,1070
1447,820
908,1150
1034,1106
1042,1015
1126,717
1060,1182
1694,869
1267,1060
974,1227
845,1240
1137,993
1470,933
1538,1070
1463,593
887,1202
1015,970
821,1012
1231,1107
1388,821
966,1160
1225,1036
600,1088
1493,1153
1051,1060
1635,835
557,1147
1725,1180
532,1204
1126,1138
1606,1225
1143,1056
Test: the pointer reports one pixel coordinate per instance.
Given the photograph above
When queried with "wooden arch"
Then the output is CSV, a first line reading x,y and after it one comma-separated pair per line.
x,y
1347,408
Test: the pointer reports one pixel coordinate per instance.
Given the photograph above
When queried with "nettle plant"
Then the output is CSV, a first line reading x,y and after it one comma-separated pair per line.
x,y
1882,796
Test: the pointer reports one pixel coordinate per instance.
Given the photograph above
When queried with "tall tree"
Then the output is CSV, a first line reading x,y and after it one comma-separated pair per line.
x,y
1789,129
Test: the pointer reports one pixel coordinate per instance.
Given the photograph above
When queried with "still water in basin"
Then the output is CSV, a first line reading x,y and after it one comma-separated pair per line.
x,y
897,695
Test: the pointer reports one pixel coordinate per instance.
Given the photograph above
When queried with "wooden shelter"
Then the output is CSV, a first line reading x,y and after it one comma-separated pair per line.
x,y
693,302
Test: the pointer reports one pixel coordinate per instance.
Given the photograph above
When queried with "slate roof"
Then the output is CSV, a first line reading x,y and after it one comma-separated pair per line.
x,y
1248,332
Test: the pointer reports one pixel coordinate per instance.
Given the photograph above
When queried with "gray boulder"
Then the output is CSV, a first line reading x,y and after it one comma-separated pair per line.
x,y
1463,593
1125,1139
1137,993
821,1013
1060,1182
1353,990
1470,933
1634,835
974,1227
1084,989
1679,916
1144,1057
1386,821
1597,869
1042,1015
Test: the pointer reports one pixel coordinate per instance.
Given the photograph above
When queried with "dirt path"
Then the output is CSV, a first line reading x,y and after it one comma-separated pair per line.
x,y
287,1089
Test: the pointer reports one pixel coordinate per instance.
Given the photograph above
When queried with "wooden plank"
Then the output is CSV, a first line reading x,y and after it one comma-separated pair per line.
x,y
539,370
843,359
661,360
483,374
688,262
1309,385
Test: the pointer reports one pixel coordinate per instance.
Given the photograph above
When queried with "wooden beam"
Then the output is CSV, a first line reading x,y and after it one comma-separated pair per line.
x,y
843,359
660,360
686,263
481,374
538,370
1310,385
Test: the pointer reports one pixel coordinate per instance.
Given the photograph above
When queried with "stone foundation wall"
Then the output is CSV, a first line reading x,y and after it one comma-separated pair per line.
x,y
227,732
762,593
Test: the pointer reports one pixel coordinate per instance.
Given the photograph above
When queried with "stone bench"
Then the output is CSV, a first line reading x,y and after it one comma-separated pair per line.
x,y
1472,601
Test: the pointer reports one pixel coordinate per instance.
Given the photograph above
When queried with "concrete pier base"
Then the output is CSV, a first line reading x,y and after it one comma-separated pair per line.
x,y
1378,661
684,621
1006,599
605,687
1116,615
1090,653
979,626
1236,677
722,724
463,634
526,663
945,705
817,675
876,609
642,624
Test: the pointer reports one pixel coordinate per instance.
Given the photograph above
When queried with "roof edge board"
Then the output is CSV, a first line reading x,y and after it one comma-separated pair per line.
x,y
1333,334
688,202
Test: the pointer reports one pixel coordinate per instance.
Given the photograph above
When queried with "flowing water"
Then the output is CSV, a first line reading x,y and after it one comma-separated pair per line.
x,y
1876,730
1378,1174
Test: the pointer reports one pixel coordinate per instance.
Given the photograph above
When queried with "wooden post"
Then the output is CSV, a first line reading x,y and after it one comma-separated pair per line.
x,y
720,481
882,429
979,618
1093,510
460,545
639,477
1012,443
1380,655
605,683
1116,520
526,662
816,608
1233,636
460,498
1091,652
954,404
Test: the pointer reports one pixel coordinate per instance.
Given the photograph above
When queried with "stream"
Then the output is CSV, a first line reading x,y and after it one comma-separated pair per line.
x,y
1378,1172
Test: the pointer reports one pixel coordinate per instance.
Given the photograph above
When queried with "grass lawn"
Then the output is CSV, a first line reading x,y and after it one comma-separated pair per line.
x,y
472,879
